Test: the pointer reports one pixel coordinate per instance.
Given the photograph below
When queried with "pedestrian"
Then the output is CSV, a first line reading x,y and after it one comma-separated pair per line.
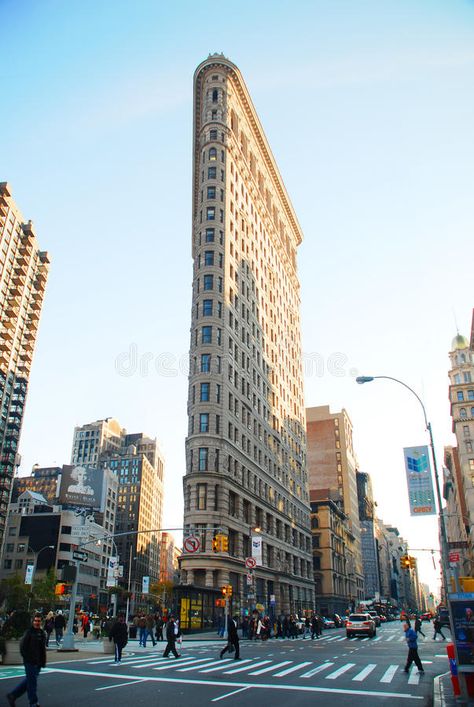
x,y
437,628
307,626
418,627
245,627
150,625
315,628
159,628
48,626
232,639
33,652
172,631
142,631
119,635
410,636
59,626
85,624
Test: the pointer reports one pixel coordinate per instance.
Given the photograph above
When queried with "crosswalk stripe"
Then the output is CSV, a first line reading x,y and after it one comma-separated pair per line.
x,y
340,671
390,638
342,638
272,667
222,664
366,671
148,664
282,673
414,678
184,662
246,667
205,665
389,673
378,638
402,638
316,670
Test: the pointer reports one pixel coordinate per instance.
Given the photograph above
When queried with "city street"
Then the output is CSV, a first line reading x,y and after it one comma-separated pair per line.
x,y
303,671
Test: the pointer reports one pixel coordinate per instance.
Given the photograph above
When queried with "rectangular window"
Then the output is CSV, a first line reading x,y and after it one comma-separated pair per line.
x,y
201,497
7,564
204,392
203,458
209,257
208,282
218,393
18,564
211,192
207,308
206,335
205,363
218,424
212,172
213,134
460,395
210,235
10,547
204,422
211,213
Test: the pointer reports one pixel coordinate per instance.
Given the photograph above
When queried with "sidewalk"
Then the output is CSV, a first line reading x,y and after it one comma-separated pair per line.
x,y
443,695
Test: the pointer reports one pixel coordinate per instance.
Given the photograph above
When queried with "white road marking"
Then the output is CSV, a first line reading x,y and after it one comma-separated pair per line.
x,y
282,673
272,667
414,678
389,673
234,692
222,665
339,671
258,686
312,672
246,667
366,671
378,638
390,638
170,663
122,684
206,665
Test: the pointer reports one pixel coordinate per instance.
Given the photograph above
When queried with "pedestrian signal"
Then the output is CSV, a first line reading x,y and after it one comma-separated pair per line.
x,y
60,588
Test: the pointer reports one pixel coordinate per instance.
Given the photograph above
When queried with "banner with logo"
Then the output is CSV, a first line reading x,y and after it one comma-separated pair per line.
x,y
257,549
29,574
145,585
81,486
419,480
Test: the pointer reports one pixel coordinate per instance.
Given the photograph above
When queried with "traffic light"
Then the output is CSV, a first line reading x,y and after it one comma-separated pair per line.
x,y
60,588
220,543
412,563
215,545
224,590
224,543
405,562
229,590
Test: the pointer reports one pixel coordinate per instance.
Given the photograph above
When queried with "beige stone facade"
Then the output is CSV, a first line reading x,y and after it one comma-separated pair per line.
x,y
246,445
332,465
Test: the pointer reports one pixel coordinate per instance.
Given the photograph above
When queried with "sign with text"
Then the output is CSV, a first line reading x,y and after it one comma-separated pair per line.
x,y
29,574
257,549
145,585
420,483
81,486
462,612
112,568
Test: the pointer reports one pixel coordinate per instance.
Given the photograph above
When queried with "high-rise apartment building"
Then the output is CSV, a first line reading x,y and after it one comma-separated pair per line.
x,y
370,560
43,480
332,465
92,439
23,275
245,449
459,480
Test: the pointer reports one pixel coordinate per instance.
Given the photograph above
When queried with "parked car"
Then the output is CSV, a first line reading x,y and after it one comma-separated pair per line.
x,y
375,617
426,616
337,620
328,623
383,619
360,624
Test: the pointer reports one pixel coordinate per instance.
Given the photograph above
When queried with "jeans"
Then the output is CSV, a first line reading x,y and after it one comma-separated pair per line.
x,y
149,632
118,652
59,635
142,638
28,684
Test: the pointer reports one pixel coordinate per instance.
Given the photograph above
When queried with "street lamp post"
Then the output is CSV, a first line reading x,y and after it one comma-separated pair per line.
x,y
35,562
444,539
129,583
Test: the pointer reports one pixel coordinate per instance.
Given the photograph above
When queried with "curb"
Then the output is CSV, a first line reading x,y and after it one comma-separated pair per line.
x,y
438,691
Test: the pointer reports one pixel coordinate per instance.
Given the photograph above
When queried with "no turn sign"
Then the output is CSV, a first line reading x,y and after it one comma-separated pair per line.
x,y
191,544
250,563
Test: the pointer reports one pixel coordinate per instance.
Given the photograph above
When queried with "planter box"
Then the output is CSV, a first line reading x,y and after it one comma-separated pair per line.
x,y
108,646
13,655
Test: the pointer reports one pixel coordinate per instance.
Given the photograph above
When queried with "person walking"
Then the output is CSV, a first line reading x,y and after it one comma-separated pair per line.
x,y
33,652
437,628
159,628
171,633
48,626
150,625
307,627
315,627
410,636
232,639
119,635
418,627
59,626
142,631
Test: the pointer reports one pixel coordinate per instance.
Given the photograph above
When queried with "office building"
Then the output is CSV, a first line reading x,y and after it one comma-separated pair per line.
x,y
23,275
245,448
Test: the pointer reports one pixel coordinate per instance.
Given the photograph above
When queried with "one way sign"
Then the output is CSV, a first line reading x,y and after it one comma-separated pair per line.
x,y
80,555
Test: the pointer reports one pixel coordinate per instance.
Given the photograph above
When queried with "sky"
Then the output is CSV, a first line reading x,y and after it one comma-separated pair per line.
x,y
368,107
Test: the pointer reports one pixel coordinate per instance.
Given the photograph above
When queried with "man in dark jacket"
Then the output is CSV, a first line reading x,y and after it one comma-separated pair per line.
x,y
33,651
437,628
59,626
119,635
232,639
171,635
412,644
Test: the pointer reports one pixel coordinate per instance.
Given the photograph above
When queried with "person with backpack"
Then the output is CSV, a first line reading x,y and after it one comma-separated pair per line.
x,y
119,635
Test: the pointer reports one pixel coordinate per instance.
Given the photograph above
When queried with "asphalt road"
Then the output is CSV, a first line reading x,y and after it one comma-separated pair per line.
x,y
332,669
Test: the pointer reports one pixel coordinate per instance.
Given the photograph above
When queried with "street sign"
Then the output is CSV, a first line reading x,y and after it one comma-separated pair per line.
x,y
454,556
191,544
80,531
458,545
145,585
272,599
29,574
250,563
249,579
80,555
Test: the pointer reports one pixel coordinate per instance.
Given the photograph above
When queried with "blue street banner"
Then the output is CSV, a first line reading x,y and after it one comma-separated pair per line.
x,y
419,480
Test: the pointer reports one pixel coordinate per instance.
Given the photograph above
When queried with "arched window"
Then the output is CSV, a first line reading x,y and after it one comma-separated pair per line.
x,y
462,412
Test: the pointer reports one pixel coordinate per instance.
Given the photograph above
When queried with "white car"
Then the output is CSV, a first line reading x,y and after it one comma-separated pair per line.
x,y
360,625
